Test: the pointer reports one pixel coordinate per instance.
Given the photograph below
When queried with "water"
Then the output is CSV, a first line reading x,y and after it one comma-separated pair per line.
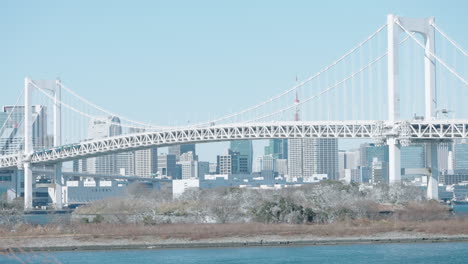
x,y
426,253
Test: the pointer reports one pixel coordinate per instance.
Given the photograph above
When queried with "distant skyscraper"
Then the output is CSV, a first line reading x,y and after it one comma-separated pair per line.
x,y
461,156
203,169
12,134
146,162
167,165
313,156
413,156
277,148
103,127
281,166
268,163
379,152
232,163
245,149
295,163
178,150
188,162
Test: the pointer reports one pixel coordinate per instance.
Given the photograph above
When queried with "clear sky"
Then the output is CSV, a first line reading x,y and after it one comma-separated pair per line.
x,y
168,62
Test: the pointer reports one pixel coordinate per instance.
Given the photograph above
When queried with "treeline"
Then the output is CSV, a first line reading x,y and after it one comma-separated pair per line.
x,y
325,202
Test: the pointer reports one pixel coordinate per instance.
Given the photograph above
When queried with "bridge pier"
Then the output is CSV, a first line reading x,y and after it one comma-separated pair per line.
x,y
58,186
57,142
394,161
28,186
28,146
433,175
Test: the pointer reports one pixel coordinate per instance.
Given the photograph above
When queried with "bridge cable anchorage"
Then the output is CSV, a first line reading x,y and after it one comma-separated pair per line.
x,y
86,101
272,99
460,48
432,54
83,113
330,87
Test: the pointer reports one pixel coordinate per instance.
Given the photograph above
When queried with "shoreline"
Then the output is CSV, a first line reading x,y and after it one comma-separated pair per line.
x,y
231,243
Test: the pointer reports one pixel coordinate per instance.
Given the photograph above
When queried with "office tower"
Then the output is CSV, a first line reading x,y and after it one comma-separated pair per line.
x,y
12,134
203,169
125,163
232,163
413,156
295,156
224,164
188,162
245,150
461,156
268,163
310,156
146,162
379,152
379,170
178,150
281,166
103,127
277,148
167,166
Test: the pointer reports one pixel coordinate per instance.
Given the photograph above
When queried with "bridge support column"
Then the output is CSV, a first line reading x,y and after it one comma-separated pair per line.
x,y
394,162
28,146
58,186
28,193
433,175
57,142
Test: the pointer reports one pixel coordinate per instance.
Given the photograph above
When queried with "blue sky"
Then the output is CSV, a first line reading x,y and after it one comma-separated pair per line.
x,y
168,62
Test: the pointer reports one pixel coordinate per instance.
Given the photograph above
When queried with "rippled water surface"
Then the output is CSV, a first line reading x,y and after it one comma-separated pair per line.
x,y
381,253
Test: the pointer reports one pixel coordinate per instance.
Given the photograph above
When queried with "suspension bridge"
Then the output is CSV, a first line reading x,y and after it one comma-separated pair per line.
x,y
394,88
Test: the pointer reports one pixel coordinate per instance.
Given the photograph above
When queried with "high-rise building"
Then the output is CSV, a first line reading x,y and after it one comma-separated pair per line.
x,y
125,163
188,162
295,158
379,152
268,163
310,156
146,162
245,150
413,156
167,166
178,150
461,156
232,163
379,170
277,148
224,164
103,127
203,169
281,166
12,134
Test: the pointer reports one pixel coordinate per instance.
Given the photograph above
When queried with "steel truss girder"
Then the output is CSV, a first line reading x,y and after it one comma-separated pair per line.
x,y
418,130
